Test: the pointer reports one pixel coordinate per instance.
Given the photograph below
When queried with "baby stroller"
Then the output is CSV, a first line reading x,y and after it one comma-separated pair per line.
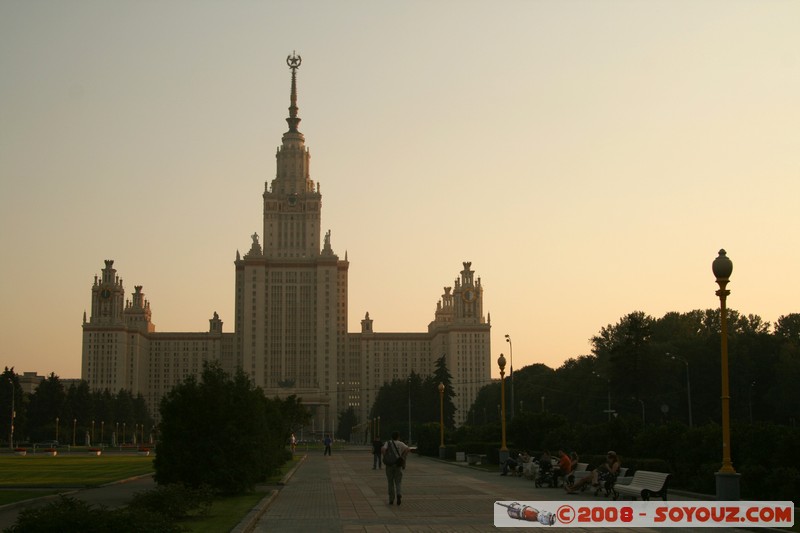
x,y
545,474
605,482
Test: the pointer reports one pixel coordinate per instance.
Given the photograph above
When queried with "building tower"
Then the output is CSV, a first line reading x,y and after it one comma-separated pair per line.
x,y
115,336
291,295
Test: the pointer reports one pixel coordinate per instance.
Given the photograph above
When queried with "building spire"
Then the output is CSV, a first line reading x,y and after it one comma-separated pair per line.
x,y
293,61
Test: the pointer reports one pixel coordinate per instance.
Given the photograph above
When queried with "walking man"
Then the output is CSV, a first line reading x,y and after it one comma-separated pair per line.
x,y
394,454
327,442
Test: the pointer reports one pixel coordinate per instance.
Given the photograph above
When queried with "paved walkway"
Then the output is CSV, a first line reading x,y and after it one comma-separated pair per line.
x,y
342,493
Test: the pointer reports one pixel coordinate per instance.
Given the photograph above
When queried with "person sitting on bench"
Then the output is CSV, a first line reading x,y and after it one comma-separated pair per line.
x,y
600,474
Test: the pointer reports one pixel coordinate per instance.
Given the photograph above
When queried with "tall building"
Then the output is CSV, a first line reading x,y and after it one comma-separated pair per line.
x,y
291,314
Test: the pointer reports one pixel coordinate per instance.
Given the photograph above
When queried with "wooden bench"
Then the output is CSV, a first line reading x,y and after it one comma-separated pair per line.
x,y
644,484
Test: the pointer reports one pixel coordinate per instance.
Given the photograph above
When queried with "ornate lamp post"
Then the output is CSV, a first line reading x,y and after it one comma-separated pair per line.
x,y
511,371
441,420
727,478
501,362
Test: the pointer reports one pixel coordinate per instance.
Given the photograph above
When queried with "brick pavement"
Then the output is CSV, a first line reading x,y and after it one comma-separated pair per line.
x,y
342,493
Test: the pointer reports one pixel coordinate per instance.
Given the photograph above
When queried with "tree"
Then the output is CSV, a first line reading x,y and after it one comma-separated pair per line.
x,y
220,431
442,375
47,403
347,419
393,402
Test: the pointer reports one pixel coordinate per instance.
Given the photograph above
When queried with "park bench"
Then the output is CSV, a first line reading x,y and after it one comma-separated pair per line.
x,y
476,459
644,484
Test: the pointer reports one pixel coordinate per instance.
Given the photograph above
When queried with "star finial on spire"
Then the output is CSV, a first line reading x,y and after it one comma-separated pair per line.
x,y
293,61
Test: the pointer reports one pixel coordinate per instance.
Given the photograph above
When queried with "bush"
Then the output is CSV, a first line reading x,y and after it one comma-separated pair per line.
x,y
69,515
222,432
174,501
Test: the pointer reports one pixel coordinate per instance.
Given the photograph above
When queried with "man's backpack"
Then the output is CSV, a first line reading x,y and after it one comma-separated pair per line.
x,y
392,455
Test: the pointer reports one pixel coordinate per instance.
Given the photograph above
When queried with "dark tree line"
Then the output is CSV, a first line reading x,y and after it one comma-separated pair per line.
x,y
648,369
55,412
418,396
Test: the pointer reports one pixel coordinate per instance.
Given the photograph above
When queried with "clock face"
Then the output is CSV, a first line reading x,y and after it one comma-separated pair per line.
x,y
105,294
292,199
469,295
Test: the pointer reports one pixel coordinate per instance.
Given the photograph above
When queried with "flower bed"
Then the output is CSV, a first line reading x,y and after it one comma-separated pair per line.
x,y
50,451
20,451
144,451
95,451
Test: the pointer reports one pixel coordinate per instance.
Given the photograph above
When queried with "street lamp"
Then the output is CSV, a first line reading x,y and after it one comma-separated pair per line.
x,y
56,429
688,384
511,371
610,411
641,402
441,420
13,414
123,432
102,427
727,478
74,426
409,409
501,362
92,432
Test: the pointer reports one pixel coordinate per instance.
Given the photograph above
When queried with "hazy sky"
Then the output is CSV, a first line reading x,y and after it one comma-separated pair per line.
x,y
588,157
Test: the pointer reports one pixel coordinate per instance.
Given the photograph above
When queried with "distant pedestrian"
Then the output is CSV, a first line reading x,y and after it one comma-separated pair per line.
x,y
327,442
293,442
376,452
394,454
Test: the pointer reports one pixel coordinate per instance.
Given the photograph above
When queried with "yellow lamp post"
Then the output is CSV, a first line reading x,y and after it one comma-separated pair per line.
x,y
501,362
441,420
727,478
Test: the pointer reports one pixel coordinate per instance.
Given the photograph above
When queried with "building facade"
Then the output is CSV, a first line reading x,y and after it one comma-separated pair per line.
x,y
291,314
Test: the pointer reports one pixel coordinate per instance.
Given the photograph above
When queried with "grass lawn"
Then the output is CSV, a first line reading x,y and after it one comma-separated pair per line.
x,y
62,471
226,513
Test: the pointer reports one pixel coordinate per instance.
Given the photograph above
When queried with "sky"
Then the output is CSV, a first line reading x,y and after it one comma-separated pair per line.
x,y
589,158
